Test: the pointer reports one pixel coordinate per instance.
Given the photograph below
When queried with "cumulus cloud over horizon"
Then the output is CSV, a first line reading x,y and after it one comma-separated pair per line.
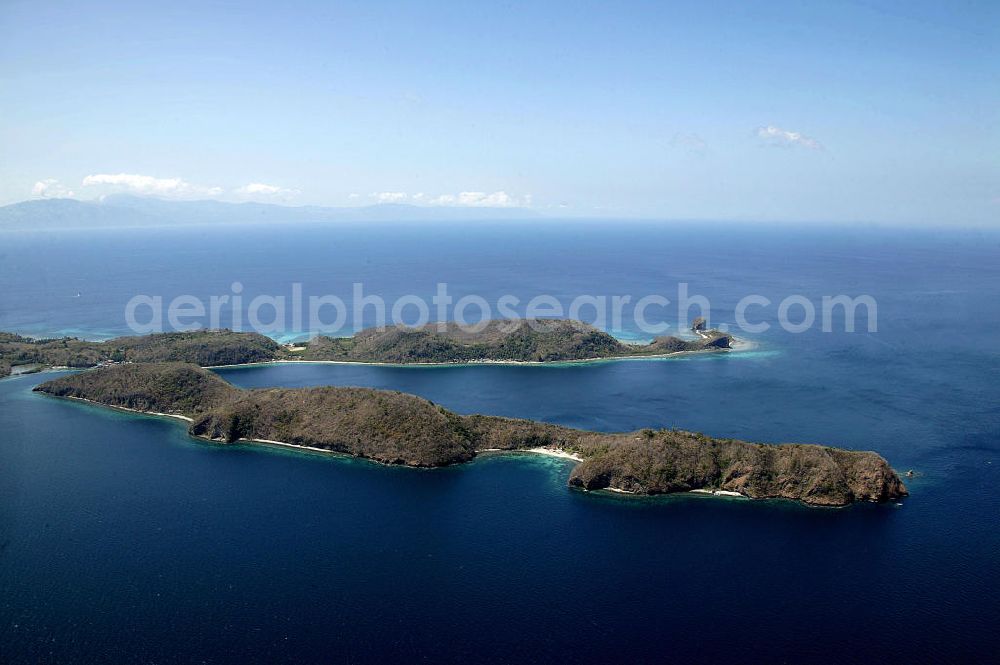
x,y
50,188
149,185
98,185
101,184
776,136
390,197
499,199
263,189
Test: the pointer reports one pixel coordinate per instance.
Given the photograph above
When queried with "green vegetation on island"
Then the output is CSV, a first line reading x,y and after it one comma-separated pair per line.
x,y
205,347
546,340
397,428
540,340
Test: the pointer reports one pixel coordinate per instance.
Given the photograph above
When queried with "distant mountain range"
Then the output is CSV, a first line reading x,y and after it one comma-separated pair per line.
x,y
131,211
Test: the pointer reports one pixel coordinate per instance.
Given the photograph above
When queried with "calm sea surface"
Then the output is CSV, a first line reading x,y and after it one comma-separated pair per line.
x,y
122,540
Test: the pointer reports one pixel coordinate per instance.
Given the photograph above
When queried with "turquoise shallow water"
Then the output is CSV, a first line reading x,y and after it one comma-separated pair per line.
x,y
123,540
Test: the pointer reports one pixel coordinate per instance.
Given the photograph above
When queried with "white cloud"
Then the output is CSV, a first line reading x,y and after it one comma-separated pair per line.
x,y
50,188
777,136
390,197
261,189
499,199
148,185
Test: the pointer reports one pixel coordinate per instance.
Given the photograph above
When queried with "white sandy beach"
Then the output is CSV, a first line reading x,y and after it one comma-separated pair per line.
x,y
718,493
549,452
294,446
555,452
698,491
125,408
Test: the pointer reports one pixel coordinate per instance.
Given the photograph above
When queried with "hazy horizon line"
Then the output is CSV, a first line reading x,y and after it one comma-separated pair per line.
x,y
536,214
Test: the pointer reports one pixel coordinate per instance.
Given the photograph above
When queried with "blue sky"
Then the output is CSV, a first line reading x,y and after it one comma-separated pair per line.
x,y
869,111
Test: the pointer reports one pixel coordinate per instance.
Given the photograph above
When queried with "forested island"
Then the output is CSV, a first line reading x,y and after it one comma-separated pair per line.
x,y
542,340
205,348
397,428
551,340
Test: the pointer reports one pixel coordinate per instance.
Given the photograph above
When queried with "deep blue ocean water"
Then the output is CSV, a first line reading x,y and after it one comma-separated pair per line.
x,y
122,540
